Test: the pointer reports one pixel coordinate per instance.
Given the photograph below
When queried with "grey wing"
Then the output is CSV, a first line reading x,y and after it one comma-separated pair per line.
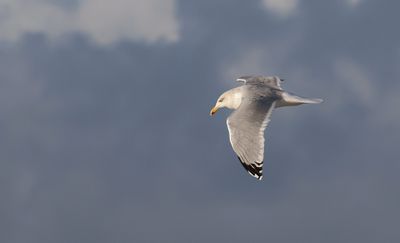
x,y
272,81
246,128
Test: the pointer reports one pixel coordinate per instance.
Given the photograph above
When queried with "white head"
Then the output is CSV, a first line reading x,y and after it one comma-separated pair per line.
x,y
231,99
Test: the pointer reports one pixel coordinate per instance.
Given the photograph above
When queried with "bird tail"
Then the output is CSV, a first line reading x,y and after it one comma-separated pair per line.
x,y
289,99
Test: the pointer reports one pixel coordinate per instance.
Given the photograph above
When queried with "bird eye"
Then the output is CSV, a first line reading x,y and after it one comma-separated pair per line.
x,y
220,100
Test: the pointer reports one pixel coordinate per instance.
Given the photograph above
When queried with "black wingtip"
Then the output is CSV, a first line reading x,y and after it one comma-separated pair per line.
x,y
253,169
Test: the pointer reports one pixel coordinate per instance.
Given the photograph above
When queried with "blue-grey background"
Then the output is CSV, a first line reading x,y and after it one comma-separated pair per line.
x,y
105,134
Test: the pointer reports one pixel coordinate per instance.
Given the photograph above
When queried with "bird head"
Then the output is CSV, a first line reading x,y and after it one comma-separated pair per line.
x,y
231,99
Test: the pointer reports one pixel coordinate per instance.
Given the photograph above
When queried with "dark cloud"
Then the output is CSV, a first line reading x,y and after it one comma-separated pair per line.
x,y
114,144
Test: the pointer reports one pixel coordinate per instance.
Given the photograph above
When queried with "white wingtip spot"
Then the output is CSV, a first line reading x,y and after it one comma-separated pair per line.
x,y
256,176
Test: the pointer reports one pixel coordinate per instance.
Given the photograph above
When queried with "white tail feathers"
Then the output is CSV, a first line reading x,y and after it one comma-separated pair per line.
x,y
291,99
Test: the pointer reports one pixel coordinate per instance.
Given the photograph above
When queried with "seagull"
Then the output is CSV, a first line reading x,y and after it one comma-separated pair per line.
x,y
253,103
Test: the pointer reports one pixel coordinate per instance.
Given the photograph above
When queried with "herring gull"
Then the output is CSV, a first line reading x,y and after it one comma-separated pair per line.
x,y
253,103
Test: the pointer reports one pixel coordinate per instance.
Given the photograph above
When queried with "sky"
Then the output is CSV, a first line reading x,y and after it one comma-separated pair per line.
x,y
105,133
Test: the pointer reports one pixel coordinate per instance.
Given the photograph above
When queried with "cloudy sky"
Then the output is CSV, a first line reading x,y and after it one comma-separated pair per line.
x,y
105,134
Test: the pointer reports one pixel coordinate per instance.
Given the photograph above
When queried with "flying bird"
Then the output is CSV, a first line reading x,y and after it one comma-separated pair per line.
x,y
253,103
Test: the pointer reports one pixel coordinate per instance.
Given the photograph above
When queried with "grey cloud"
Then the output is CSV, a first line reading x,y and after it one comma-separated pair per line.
x,y
104,22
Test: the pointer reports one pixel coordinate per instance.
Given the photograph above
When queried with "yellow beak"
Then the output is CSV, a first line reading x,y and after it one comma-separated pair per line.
x,y
214,110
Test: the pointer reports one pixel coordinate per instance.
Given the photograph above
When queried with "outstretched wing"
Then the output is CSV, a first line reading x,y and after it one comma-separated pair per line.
x,y
246,128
